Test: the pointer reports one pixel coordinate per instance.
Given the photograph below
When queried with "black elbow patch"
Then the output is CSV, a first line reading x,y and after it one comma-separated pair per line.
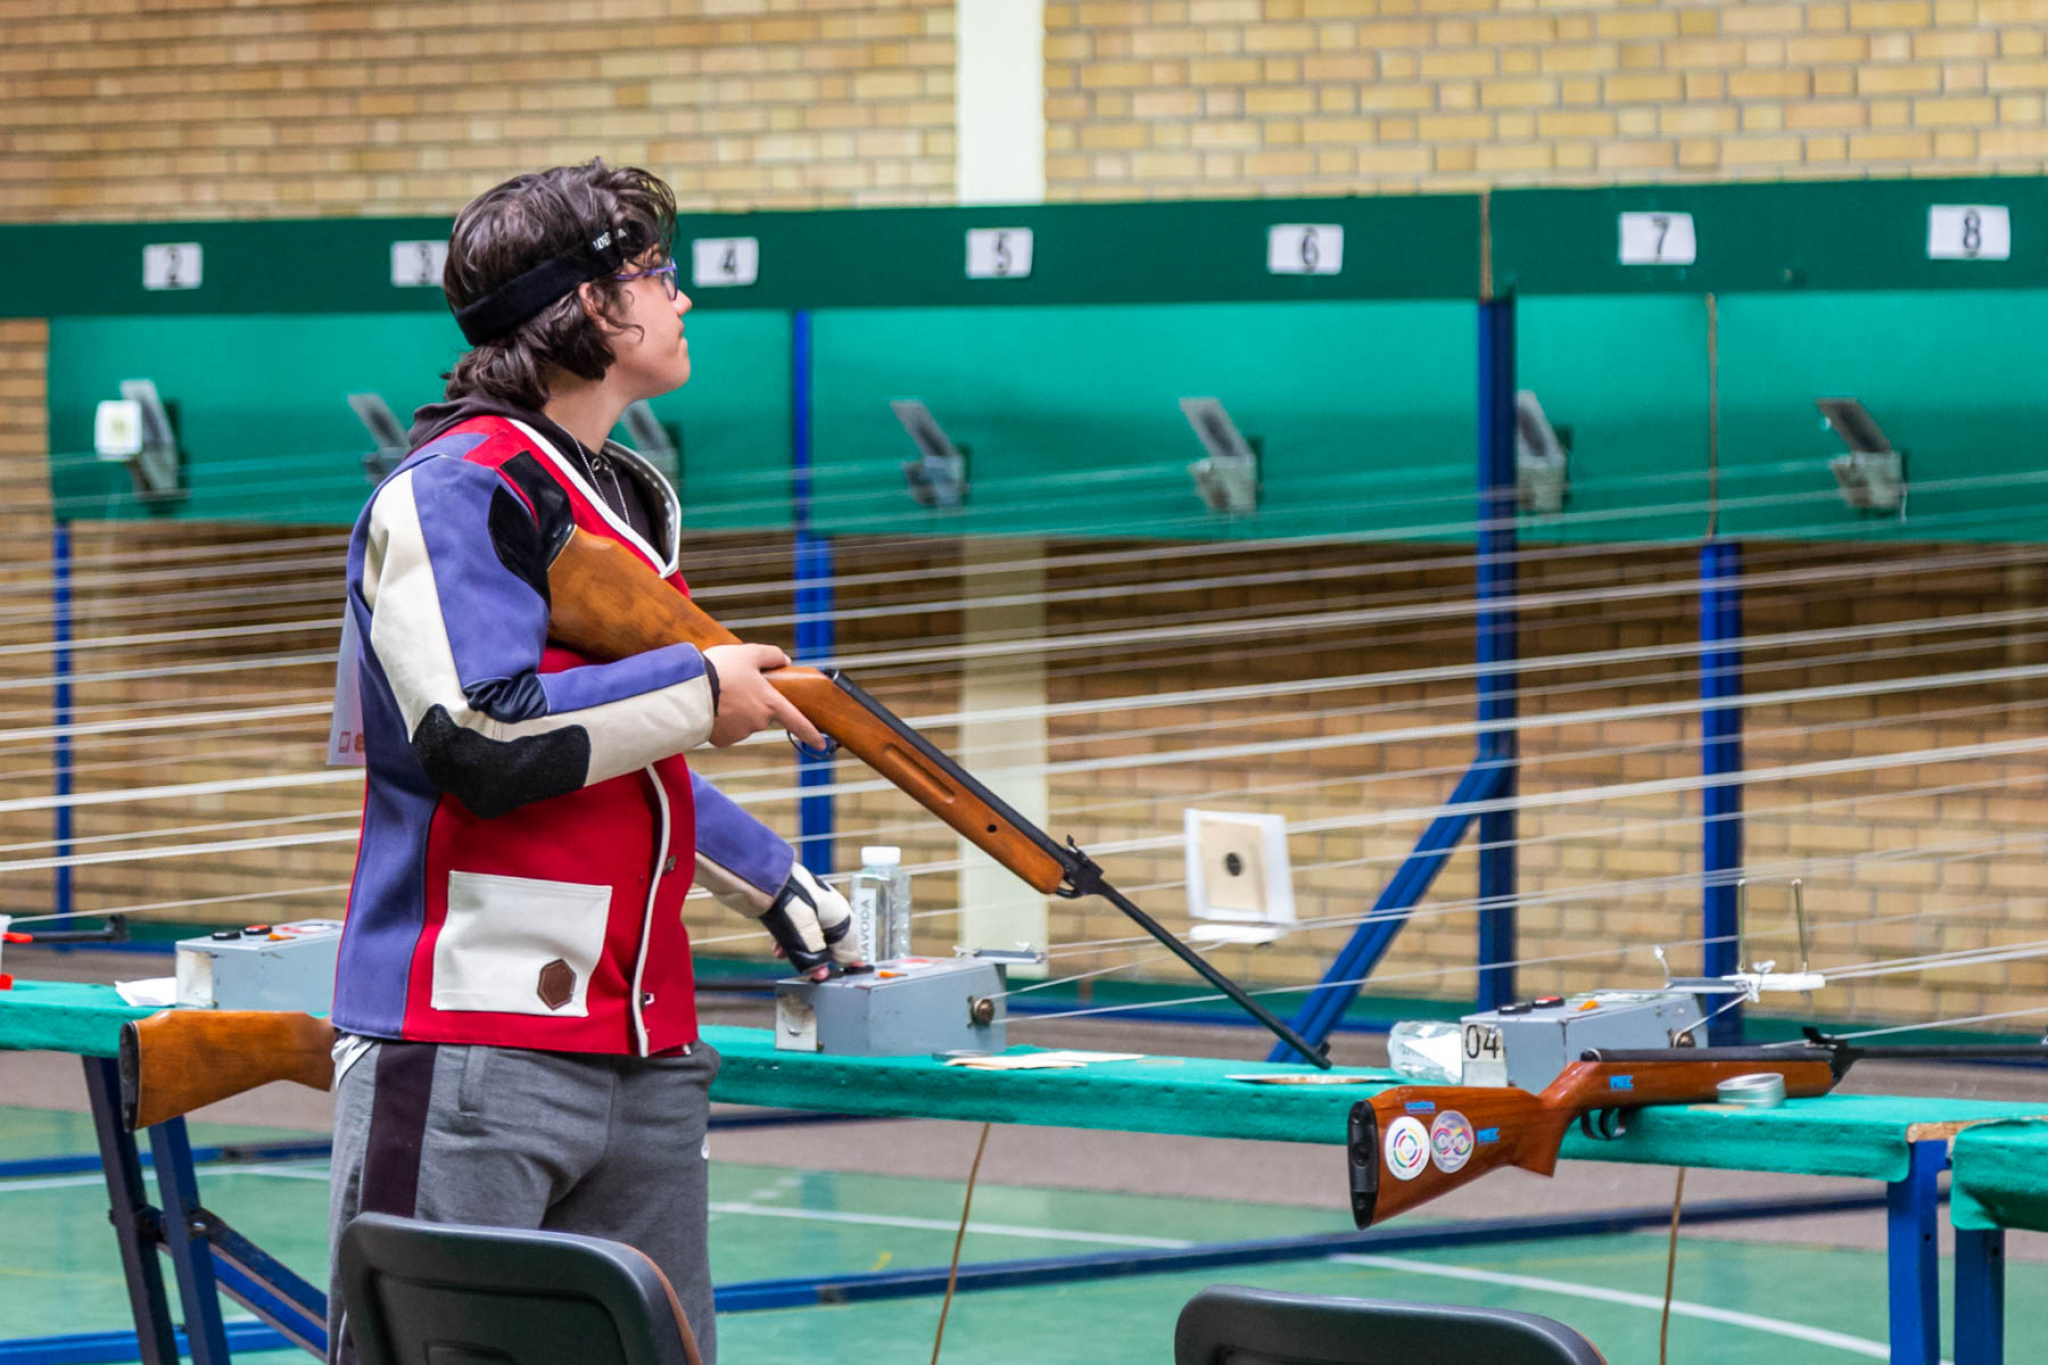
x,y
494,777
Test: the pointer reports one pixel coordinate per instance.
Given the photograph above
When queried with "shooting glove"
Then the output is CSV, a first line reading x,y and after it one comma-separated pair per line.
x,y
811,923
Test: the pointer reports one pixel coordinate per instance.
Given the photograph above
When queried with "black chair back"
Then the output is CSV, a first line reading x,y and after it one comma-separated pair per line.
x,y
1233,1325
447,1294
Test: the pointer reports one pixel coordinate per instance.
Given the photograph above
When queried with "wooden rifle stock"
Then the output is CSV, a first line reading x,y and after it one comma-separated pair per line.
x,y
1411,1143
176,1061
601,604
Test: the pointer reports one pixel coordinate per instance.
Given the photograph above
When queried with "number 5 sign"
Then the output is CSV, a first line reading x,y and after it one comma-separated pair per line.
x,y
1305,249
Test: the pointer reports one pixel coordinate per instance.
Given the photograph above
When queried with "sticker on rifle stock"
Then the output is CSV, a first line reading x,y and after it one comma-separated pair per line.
x,y
1621,1083
1450,1141
1407,1148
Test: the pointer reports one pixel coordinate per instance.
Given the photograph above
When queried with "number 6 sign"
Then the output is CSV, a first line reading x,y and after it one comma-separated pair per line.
x,y
1305,249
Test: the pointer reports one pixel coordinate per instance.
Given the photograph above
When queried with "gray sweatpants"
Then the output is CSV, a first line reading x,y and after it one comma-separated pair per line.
x,y
607,1146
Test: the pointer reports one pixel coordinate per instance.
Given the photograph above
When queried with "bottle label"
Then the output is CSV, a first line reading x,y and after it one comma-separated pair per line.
x,y
865,900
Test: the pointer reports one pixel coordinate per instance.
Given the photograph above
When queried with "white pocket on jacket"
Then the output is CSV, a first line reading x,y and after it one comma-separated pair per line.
x,y
517,945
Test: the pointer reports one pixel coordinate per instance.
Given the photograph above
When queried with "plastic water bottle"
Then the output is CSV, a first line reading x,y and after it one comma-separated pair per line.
x,y
881,903
1426,1050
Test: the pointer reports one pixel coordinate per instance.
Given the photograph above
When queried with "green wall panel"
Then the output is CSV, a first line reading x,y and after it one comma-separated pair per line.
x,y
1628,377
260,405
267,434
1765,237
734,416
1953,379
1072,416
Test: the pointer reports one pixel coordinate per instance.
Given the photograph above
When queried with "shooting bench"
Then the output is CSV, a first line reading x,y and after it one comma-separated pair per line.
x,y
1901,1141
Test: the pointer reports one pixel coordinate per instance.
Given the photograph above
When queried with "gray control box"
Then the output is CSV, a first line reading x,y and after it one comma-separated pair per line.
x,y
904,1008
1527,1045
265,967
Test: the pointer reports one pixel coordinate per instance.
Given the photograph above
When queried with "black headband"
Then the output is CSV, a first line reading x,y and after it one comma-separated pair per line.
x,y
511,303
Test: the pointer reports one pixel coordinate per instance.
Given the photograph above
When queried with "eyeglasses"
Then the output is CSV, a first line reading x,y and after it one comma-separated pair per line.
x,y
666,272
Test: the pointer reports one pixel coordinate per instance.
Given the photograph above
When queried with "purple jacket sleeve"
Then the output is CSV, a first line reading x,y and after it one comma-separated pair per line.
x,y
740,860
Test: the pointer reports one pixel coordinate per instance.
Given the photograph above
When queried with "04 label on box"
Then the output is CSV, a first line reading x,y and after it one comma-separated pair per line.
x,y
998,253
172,265
1969,232
1658,239
725,262
1305,249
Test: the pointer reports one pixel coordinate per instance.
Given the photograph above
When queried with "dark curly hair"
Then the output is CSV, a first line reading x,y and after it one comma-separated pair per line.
x,y
512,228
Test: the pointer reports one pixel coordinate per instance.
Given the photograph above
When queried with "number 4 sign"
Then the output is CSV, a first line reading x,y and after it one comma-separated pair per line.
x,y
725,262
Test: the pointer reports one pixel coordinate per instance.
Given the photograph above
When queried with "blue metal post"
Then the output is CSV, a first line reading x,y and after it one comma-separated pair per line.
x,y
1721,756
1980,1297
60,602
1492,774
814,632
1913,1259
1498,748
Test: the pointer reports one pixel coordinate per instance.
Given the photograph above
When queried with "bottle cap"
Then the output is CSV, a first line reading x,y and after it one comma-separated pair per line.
x,y
880,855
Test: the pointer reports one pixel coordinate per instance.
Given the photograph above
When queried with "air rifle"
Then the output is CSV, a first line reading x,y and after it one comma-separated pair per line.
x,y
606,603
1411,1143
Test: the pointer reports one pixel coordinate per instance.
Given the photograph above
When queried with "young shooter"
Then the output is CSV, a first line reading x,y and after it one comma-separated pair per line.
x,y
516,1030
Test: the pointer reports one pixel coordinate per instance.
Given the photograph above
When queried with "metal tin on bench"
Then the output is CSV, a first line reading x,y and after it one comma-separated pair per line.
x,y
1762,1090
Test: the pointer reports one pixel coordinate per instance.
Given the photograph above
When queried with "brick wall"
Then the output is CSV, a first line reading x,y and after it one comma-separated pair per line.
x,y
1179,98
141,110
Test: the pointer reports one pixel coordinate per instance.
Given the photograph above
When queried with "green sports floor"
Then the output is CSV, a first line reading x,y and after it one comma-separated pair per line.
x,y
1736,1301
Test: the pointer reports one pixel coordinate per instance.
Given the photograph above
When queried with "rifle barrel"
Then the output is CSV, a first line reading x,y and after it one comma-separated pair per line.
x,y
1214,977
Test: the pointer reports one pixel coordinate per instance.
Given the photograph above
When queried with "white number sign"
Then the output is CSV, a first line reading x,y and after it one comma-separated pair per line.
x,y
417,265
1305,249
1969,232
172,265
1658,239
998,253
725,262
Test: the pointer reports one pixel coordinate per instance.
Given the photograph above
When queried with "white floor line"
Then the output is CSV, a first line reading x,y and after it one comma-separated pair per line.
x,y
1820,1336
212,1170
890,1220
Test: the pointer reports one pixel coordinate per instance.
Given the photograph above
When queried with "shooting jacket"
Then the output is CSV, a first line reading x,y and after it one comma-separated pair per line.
x,y
529,826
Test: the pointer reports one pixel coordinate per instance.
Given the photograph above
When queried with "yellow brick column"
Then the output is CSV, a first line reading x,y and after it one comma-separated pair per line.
x,y
1006,748
1000,113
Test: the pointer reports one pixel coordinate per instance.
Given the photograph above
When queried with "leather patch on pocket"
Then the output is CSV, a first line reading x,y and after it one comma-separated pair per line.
x,y
557,984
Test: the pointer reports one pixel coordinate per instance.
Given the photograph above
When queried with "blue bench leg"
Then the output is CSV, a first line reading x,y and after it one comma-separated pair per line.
x,y
1914,1256
1980,1297
185,1237
137,1228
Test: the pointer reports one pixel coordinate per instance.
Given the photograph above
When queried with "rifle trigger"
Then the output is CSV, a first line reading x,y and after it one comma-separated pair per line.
x,y
804,750
1603,1125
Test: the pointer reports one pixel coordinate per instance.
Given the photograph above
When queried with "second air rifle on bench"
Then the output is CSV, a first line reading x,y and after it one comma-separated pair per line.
x,y
1410,1143
606,603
